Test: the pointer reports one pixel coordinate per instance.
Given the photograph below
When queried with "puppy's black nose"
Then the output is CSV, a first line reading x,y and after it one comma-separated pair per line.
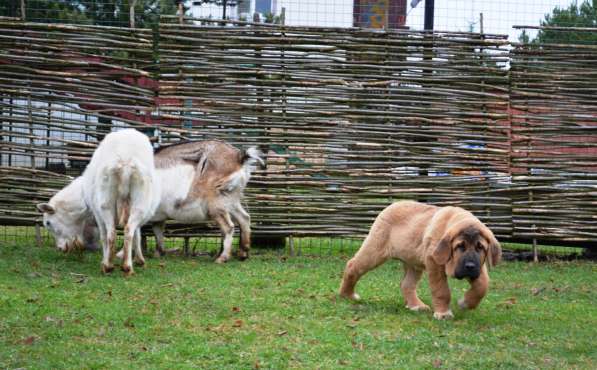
x,y
470,265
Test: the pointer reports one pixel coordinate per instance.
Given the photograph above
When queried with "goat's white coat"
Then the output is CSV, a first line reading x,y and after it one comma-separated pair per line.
x,y
121,181
69,216
176,183
118,185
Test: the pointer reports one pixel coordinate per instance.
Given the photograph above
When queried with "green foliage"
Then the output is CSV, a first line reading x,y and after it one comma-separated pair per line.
x,y
47,11
116,12
99,12
271,18
524,37
583,15
58,311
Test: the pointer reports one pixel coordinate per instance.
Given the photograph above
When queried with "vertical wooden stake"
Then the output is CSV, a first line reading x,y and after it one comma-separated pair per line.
x,y
38,234
48,134
31,131
186,246
132,14
23,17
291,245
283,16
535,251
180,13
144,243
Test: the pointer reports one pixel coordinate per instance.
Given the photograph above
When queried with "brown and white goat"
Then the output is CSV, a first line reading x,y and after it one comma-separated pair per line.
x,y
204,180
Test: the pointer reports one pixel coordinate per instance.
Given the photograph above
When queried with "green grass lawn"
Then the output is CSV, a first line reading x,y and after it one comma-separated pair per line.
x,y
58,311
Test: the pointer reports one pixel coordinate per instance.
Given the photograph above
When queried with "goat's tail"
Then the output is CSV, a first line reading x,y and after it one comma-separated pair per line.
x,y
252,156
125,172
239,179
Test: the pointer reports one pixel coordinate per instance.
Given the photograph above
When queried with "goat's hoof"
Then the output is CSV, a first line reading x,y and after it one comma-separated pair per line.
x,y
418,308
140,263
242,256
443,315
106,269
222,260
128,270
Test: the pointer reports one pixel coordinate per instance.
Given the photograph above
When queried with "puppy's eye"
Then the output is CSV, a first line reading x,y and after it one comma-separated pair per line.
x,y
460,247
479,247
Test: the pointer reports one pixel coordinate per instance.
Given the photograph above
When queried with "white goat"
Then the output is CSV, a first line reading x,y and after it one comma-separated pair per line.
x,y
205,180
119,186
69,219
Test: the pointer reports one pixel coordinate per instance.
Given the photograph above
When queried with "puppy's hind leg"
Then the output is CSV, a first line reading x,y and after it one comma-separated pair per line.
x,y
372,253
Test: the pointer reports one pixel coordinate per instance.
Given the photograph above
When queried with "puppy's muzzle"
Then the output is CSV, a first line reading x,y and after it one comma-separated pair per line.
x,y
469,268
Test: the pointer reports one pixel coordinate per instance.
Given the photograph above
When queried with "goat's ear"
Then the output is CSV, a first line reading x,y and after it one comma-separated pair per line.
x,y
443,251
45,208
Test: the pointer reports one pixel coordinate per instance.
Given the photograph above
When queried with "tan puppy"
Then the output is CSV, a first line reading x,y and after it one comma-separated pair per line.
x,y
445,241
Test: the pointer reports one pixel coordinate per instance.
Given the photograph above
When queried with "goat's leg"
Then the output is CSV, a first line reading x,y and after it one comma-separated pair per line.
x,y
227,227
139,260
106,267
244,222
158,231
127,258
105,221
130,229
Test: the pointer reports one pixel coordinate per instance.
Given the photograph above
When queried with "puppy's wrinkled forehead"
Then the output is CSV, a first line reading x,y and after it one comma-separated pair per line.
x,y
470,234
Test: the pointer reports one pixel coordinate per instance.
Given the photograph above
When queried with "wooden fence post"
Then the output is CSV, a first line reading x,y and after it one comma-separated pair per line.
x,y
180,13
132,14
533,227
38,240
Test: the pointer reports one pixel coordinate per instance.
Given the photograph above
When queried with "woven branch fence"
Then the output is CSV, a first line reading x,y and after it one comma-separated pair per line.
x,y
349,119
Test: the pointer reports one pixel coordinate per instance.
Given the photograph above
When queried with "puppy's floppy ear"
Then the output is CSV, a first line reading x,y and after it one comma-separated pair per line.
x,y
494,254
45,208
495,251
443,251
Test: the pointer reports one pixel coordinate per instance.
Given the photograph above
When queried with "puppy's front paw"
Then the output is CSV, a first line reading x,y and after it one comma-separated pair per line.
x,y
421,307
352,297
443,315
462,304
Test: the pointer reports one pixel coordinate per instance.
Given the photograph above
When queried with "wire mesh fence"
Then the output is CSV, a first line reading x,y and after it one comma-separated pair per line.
x,y
485,16
334,108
